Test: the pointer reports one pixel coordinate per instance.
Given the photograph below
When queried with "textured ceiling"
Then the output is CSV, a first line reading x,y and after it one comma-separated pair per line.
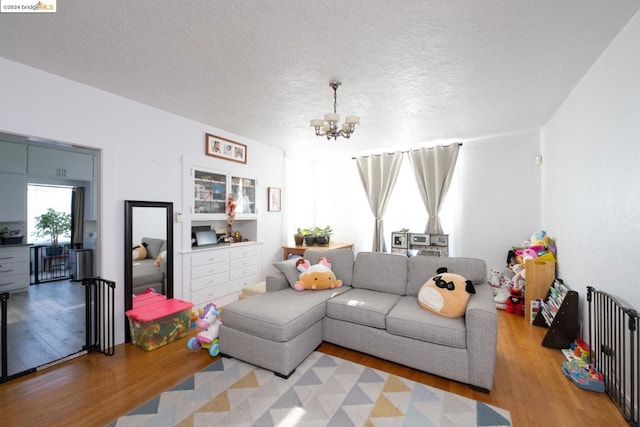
x,y
414,70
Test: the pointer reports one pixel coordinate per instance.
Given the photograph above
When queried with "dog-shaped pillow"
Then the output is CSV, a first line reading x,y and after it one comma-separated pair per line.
x,y
139,252
446,294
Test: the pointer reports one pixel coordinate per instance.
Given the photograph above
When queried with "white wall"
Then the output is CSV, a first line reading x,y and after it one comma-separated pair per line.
x,y
590,180
141,157
496,184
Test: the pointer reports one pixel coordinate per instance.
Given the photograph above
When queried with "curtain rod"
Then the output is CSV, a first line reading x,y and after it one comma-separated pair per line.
x,y
406,151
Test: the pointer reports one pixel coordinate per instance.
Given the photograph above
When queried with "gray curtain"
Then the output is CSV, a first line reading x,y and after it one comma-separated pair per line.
x,y
433,169
77,217
378,174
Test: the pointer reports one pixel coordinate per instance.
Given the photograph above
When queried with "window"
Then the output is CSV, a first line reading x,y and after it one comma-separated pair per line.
x,y
41,197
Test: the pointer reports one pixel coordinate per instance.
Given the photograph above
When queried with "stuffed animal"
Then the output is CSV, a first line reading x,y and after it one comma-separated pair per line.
x,y
318,276
519,277
495,279
446,294
515,303
139,252
501,288
162,257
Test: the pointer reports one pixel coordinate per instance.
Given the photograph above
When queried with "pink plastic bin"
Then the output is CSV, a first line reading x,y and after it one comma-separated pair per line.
x,y
148,298
154,324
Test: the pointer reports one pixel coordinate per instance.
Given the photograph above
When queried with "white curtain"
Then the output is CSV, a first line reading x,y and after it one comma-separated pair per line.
x,y
433,169
378,175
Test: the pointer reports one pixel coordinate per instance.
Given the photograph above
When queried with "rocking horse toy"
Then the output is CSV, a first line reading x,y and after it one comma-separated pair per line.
x,y
208,337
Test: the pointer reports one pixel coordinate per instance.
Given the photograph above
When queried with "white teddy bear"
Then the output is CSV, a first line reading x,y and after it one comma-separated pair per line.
x,y
501,288
517,283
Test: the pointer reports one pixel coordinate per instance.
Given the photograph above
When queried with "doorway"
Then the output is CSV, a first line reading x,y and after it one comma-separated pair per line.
x,y
45,320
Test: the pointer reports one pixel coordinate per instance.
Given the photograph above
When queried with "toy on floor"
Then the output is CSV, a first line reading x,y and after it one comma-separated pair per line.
x,y
584,375
210,325
515,303
501,287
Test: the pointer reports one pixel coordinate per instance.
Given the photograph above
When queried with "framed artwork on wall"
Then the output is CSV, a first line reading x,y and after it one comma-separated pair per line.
x,y
275,202
226,149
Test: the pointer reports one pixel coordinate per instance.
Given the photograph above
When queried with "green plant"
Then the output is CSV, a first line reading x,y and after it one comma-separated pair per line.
x,y
326,231
53,224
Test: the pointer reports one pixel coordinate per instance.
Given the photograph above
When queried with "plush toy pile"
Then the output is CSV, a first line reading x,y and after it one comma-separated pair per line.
x,y
509,293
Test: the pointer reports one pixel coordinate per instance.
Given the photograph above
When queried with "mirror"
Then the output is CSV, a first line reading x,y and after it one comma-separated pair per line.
x,y
148,254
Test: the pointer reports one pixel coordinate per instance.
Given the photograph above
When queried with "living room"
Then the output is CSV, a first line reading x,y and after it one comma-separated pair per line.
x,y
585,192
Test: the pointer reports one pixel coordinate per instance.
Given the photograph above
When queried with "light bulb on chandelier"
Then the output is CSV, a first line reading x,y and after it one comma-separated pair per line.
x,y
329,125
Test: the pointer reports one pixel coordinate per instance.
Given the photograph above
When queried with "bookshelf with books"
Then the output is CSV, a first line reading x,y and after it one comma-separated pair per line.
x,y
558,312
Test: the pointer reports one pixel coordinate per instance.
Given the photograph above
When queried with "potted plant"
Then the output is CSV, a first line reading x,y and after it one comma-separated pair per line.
x,y
309,236
322,235
53,224
298,237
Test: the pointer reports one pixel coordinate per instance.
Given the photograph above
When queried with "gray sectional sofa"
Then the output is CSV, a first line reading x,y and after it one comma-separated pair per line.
x,y
376,311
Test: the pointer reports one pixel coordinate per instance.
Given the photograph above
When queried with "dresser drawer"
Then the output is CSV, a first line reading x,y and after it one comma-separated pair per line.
x,y
237,285
244,251
14,282
241,263
209,257
211,280
13,255
244,272
210,294
13,268
208,270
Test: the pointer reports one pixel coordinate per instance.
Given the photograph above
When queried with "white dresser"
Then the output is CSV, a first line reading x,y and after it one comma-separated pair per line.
x,y
14,268
218,274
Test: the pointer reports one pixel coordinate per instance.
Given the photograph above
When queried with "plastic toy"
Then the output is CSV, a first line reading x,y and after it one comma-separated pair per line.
x,y
208,337
583,375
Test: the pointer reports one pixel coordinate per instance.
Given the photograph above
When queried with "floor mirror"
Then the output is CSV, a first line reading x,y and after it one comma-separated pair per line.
x,y
148,251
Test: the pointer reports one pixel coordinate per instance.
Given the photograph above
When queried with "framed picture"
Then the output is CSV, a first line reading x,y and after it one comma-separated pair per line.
x,y
275,199
227,149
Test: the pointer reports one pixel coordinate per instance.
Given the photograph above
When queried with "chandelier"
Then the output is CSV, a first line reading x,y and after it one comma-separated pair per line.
x,y
329,126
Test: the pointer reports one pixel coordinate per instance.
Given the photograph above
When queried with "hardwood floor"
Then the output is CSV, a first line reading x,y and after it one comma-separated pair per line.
x,y
59,330
94,389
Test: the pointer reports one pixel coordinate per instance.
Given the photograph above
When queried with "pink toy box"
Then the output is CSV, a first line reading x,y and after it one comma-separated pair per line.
x,y
156,321
147,298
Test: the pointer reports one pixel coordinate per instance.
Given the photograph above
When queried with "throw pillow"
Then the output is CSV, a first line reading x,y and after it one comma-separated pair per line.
x,y
288,268
446,294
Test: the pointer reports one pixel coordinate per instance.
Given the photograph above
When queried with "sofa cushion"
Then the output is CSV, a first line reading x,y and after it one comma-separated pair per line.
x,y
153,246
408,319
341,262
422,268
381,272
288,268
288,313
362,306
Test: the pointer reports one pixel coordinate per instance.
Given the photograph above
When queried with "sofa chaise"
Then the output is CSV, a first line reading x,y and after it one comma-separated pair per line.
x,y
376,311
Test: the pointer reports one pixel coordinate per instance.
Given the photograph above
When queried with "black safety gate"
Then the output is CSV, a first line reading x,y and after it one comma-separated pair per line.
x,y
615,348
99,318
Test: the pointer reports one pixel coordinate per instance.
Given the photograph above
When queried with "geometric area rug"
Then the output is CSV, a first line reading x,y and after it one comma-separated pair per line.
x,y
323,391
